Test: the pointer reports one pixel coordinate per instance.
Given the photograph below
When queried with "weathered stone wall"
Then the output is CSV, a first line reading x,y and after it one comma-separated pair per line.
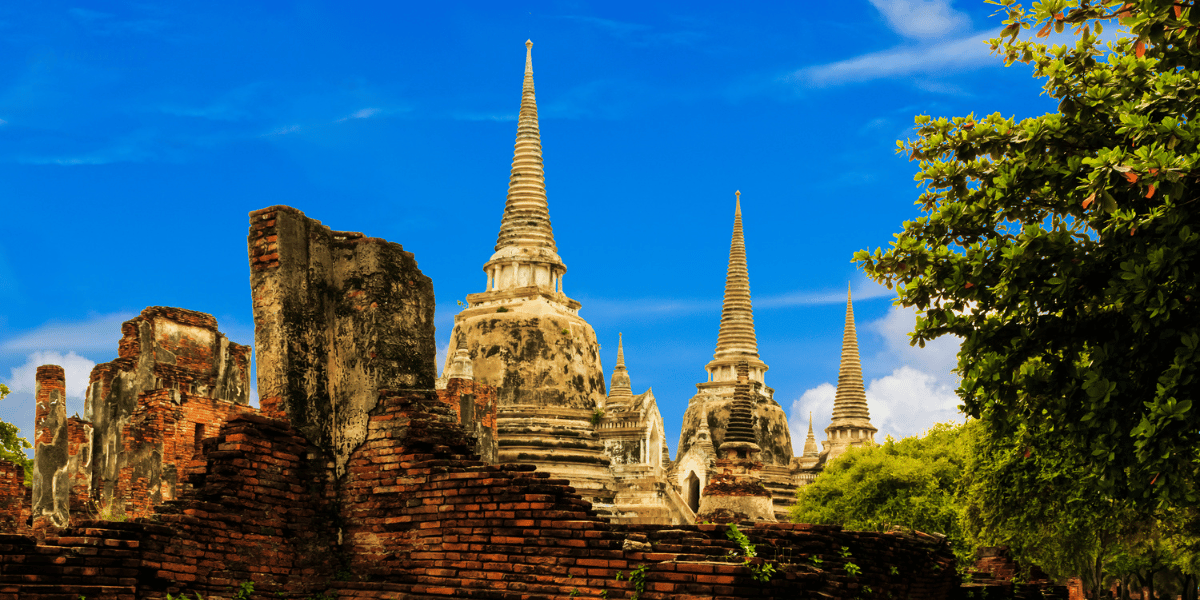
x,y
337,316
177,378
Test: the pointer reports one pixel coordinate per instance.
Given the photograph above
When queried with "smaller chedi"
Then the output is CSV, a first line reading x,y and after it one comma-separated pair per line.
x,y
851,425
735,491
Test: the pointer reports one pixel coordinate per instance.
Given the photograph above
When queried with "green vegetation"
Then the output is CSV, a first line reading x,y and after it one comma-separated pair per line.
x,y
911,483
1065,249
638,578
958,482
12,445
243,591
760,570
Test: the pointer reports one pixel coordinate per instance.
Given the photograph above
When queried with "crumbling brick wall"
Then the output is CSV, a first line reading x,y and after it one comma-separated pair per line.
x,y
176,380
418,517
15,498
475,405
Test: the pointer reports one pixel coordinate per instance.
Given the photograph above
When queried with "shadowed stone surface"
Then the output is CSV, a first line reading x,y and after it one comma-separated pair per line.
x,y
337,315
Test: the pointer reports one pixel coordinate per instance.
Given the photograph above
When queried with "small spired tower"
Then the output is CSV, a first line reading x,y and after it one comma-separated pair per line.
x,y
632,431
524,336
713,402
735,492
851,425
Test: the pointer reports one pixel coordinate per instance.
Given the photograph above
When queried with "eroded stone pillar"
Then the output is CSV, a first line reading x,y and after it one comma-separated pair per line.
x,y
51,481
337,317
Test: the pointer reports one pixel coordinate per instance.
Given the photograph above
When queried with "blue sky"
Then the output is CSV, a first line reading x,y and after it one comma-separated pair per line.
x,y
135,138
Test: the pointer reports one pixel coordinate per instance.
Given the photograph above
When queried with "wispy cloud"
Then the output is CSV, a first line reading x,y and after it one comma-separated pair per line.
x,y
961,54
97,333
922,18
478,116
283,131
365,113
99,23
863,289
3,122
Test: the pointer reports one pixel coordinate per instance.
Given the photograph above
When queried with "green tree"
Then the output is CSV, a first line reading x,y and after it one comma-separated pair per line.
x,y
12,445
1065,250
911,483
1038,506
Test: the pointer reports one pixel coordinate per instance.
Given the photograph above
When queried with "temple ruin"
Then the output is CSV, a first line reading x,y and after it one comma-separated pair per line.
x,y
364,475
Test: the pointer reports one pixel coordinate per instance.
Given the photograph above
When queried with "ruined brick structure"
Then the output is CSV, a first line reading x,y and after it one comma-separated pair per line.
x,y
176,380
410,511
16,500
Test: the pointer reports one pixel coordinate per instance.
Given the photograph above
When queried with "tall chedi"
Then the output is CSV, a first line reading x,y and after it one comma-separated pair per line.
x,y
713,402
525,337
851,425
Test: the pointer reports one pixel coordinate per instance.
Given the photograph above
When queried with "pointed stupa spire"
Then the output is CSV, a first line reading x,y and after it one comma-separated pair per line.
x,y
850,401
810,444
526,220
737,316
621,390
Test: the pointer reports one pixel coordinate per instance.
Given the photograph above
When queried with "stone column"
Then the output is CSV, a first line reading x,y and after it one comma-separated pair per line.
x,y
51,484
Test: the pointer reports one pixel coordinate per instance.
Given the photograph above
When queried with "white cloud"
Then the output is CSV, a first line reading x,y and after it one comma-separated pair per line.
x,y
819,402
77,369
863,289
961,54
650,308
909,401
3,122
98,333
364,113
922,18
285,130
439,359
938,357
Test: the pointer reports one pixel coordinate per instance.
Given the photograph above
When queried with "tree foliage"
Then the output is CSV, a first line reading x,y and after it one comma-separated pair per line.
x,y
12,445
911,483
1065,250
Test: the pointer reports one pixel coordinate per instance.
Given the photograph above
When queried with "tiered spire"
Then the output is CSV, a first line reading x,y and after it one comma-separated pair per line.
x,y
621,390
737,316
850,401
526,220
810,444
739,431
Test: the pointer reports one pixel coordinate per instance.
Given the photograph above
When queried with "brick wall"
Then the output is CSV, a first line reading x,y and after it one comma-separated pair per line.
x,y
15,498
478,400
419,517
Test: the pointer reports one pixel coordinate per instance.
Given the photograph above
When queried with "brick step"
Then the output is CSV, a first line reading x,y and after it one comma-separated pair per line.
x,y
53,591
